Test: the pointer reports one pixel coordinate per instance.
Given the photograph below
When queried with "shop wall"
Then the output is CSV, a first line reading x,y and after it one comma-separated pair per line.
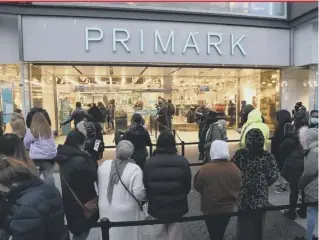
x,y
114,40
305,44
298,9
9,39
297,87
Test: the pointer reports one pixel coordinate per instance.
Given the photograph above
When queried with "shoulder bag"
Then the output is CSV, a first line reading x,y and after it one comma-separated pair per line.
x,y
137,201
90,208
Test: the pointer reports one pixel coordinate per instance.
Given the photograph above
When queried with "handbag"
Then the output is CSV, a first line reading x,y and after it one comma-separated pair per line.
x,y
138,202
90,208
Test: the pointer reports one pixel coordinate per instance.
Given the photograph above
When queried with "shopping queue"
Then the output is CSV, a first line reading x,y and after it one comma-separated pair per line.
x,y
125,190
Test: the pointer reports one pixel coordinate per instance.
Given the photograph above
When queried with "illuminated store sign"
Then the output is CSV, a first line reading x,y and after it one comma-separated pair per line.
x,y
121,38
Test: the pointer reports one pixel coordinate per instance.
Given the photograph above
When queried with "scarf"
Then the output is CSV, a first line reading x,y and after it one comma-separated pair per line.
x,y
124,152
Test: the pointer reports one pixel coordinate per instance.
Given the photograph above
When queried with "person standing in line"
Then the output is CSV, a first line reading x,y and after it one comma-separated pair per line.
x,y
254,121
33,210
292,154
167,180
283,118
308,182
200,116
104,113
79,173
300,115
313,121
12,146
259,171
161,117
111,116
77,115
96,113
95,143
121,192
39,140
216,131
218,183
18,124
36,110
140,138
170,114
231,113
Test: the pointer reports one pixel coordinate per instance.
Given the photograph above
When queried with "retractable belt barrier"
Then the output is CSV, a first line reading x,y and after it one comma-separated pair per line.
x,y
106,224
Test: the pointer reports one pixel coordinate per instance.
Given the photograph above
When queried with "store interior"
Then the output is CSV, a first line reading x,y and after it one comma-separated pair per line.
x,y
136,89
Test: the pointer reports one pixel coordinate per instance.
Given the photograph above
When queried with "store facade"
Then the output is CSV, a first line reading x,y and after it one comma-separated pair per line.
x,y
247,63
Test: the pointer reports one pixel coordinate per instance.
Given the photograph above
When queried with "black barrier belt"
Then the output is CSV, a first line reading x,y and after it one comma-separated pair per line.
x,y
198,218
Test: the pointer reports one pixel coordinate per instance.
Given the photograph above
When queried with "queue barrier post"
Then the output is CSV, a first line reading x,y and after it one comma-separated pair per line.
x,y
105,227
183,148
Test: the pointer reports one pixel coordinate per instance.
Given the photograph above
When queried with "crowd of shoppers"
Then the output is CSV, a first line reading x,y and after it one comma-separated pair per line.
x,y
121,189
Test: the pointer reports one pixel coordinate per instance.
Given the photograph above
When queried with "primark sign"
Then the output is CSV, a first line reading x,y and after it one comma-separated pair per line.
x,y
169,42
104,41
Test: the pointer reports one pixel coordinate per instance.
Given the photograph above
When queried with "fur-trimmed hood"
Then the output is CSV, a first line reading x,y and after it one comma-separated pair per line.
x,y
308,137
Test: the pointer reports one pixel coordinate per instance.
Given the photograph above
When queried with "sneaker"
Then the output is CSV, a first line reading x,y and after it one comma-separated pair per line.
x,y
301,214
290,214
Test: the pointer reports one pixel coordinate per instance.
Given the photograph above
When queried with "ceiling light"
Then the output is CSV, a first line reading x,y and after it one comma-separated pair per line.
x,y
263,83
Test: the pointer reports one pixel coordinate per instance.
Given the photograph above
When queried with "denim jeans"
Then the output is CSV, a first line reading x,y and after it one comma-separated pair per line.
x,y
46,168
312,217
82,236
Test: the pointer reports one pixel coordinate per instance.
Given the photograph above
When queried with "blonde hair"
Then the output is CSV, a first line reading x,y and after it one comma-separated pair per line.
x,y
40,127
13,171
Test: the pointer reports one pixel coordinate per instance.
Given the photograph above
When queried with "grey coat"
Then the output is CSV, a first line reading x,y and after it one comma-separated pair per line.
x,y
309,180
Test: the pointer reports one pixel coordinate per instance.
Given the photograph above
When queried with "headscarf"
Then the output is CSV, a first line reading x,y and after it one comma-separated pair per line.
x,y
255,143
124,152
219,150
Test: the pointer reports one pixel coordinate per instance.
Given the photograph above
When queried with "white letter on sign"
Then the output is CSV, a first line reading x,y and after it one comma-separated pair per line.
x,y
121,40
215,44
92,39
159,39
187,45
237,44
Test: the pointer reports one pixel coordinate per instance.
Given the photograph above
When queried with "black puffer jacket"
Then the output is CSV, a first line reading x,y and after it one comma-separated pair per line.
x,y
140,138
35,110
292,154
35,212
283,117
80,172
167,180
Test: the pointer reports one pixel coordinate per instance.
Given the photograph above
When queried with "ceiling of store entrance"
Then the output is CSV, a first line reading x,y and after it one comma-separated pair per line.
x,y
107,71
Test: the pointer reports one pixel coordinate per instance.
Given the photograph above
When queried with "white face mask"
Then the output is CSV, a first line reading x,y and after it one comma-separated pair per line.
x,y
314,120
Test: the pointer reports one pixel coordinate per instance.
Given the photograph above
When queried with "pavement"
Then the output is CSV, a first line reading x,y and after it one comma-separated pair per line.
x,y
276,227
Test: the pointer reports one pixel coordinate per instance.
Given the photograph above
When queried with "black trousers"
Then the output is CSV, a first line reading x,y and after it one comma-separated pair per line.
x,y
293,198
216,227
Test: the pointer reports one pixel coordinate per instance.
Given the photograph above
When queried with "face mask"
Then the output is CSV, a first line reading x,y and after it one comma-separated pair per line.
x,y
314,120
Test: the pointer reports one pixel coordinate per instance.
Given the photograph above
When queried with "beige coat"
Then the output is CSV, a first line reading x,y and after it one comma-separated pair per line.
x,y
18,125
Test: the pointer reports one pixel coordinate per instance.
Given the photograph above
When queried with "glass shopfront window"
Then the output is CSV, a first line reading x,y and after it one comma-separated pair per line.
x,y
260,9
10,92
136,90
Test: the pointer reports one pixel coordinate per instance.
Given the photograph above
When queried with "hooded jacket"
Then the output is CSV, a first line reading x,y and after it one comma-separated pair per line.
x,y
254,121
35,110
218,181
259,171
292,155
140,138
309,179
80,172
18,125
283,117
35,212
77,116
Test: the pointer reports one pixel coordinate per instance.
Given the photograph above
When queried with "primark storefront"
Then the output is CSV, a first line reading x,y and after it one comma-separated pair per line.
x,y
54,56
